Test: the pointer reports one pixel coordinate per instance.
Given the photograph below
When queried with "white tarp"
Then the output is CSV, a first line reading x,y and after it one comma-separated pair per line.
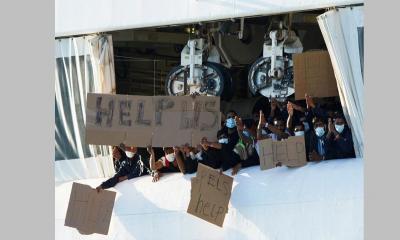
x,y
83,64
343,32
75,17
318,201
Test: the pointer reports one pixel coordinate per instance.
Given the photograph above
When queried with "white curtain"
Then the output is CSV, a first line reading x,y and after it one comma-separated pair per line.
x,y
83,65
343,32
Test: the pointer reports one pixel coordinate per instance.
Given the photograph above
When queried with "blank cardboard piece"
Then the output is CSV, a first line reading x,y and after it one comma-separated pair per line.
x,y
314,75
210,195
89,211
266,154
296,152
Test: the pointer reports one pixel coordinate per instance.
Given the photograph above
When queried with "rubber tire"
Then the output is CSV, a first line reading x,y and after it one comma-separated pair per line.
x,y
228,90
173,70
249,80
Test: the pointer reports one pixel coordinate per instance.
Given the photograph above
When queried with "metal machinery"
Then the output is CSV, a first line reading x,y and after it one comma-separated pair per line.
x,y
272,74
195,75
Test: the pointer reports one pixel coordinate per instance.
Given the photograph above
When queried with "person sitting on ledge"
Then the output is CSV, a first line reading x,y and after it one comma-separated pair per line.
x,y
128,165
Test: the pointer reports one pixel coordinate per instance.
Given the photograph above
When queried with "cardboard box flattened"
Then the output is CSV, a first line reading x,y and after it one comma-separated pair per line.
x,y
210,195
314,75
160,121
88,211
290,152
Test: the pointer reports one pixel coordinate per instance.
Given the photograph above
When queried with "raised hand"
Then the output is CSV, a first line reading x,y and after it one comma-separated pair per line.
x,y
274,104
150,149
176,150
239,123
186,149
261,121
204,143
309,101
290,108
331,127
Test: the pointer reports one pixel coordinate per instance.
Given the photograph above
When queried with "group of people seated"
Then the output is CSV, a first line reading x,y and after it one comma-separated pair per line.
x,y
326,134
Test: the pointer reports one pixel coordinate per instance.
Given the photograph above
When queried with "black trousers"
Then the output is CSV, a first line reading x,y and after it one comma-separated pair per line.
x,y
230,162
253,160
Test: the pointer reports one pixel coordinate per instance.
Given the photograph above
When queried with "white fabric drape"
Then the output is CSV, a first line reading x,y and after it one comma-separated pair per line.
x,y
83,65
342,30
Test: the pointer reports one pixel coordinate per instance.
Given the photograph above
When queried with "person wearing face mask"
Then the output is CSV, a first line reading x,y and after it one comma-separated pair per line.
x,y
245,148
172,161
130,166
300,128
340,137
190,158
228,137
319,146
277,131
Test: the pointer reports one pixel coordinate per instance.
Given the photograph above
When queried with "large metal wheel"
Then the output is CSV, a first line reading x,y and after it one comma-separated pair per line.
x,y
210,81
260,82
228,90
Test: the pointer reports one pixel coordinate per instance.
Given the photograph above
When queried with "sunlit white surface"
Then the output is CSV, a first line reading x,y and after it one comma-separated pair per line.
x,y
73,17
319,201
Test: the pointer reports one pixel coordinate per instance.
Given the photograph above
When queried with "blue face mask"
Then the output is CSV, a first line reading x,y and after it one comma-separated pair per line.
x,y
339,128
230,123
320,131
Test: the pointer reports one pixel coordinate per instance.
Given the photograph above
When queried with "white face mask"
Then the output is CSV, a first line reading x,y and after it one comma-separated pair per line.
x,y
223,141
264,132
320,131
339,128
198,156
129,154
170,157
299,133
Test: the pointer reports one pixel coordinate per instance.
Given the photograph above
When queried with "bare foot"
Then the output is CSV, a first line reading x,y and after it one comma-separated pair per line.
x,y
236,169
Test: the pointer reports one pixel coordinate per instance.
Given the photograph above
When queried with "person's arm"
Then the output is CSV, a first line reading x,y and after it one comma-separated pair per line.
x,y
297,107
332,133
274,105
206,143
179,160
289,121
240,128
277,131
261,124
152,164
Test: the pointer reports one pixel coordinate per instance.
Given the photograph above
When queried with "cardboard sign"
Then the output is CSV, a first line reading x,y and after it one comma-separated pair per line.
x,y
160,121
313,74
210,195
290,152
89,211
